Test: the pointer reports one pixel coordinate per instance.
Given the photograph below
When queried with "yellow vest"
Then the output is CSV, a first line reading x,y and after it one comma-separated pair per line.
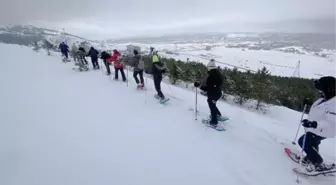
x,y
155,58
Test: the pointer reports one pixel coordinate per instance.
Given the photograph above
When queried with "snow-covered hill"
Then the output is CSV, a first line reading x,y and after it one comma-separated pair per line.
x,y
61,127
27,34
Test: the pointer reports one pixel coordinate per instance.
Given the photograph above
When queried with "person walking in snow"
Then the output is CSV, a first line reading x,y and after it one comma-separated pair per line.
x,y
158,68
81,54
74,50
93,53
139,65
213,87
81,62
105,56
64,49
118,66
320,123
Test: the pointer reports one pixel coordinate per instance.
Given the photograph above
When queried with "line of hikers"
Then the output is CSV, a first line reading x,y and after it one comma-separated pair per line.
x,y
118,62
319,125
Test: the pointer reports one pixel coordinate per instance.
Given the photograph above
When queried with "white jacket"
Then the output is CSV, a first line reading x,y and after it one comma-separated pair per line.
x,y
324,114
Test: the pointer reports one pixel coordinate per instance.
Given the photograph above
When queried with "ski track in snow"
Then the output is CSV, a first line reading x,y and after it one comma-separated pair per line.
x,y
61,127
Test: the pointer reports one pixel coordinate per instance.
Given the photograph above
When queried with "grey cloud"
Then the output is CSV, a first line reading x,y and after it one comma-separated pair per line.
x,y
128,17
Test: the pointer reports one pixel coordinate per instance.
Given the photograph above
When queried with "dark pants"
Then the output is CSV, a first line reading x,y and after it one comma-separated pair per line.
x,y
122,73
311,147
135,75
64,53
212,100
107,65
95,63
83,59
157,84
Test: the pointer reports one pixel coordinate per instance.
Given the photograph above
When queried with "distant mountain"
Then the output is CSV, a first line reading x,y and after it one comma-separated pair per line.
x,y
27,34
184,38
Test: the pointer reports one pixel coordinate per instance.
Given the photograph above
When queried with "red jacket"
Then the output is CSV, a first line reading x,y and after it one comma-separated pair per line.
x,y
115,59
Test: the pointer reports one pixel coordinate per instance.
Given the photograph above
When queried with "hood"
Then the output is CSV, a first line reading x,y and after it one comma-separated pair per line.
x,y
326,85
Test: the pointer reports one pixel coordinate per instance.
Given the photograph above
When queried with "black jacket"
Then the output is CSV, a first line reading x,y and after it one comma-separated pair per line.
x,y
105,56
214,83
158,68
93,53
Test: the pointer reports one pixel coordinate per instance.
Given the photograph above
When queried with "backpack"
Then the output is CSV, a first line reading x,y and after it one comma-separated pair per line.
x,y
141,64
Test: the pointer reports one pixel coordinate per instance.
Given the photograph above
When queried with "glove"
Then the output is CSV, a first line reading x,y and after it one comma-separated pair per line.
x,y
197,84
309,124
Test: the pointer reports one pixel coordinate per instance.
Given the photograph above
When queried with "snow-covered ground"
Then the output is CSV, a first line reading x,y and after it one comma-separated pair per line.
x,y
61,127
277,62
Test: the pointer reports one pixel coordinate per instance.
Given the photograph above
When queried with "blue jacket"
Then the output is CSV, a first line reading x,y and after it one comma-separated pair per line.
x,y
63,47
93,53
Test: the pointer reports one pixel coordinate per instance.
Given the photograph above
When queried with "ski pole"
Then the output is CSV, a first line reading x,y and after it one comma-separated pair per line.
x,y
196,105
297,132
101,67
146,93
127,77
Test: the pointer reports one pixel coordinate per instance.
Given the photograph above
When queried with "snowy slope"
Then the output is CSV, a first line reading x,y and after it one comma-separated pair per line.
x,y
60,127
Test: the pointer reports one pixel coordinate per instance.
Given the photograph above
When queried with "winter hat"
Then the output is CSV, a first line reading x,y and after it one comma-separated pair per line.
x,y
135,52
326,84
211,65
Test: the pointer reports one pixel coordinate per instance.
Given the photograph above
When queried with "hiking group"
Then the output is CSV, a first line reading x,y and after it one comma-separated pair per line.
x,y
319,125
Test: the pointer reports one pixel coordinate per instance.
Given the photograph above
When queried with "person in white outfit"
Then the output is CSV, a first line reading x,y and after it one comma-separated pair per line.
x,y
320,123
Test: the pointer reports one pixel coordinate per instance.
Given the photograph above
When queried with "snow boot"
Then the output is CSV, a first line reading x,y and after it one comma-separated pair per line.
x,y
140,86
208,122
220,118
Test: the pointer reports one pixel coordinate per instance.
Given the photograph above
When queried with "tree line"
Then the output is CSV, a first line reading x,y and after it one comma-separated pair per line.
x,y
262,87
244,86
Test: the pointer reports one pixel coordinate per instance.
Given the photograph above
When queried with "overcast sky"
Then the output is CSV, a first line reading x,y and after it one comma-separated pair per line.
x,y
100,19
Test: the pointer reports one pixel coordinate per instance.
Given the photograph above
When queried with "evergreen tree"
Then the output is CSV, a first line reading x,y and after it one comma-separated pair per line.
x,y
261,87
36,47
198,76
174,74
188,76
228,80
47,46
242,88
286,91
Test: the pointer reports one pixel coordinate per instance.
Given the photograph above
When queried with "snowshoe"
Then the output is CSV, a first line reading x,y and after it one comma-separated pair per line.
x,y
141,87
308,169
321,169
207,123
162,100
65,60
83,69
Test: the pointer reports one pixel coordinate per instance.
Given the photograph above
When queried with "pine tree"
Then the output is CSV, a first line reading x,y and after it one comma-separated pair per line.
x,y
188,76
261,87
242,87
227,82
36,47
48,46
174,74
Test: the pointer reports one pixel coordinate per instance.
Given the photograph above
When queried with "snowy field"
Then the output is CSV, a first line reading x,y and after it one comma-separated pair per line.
x,y
61,127
277,62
